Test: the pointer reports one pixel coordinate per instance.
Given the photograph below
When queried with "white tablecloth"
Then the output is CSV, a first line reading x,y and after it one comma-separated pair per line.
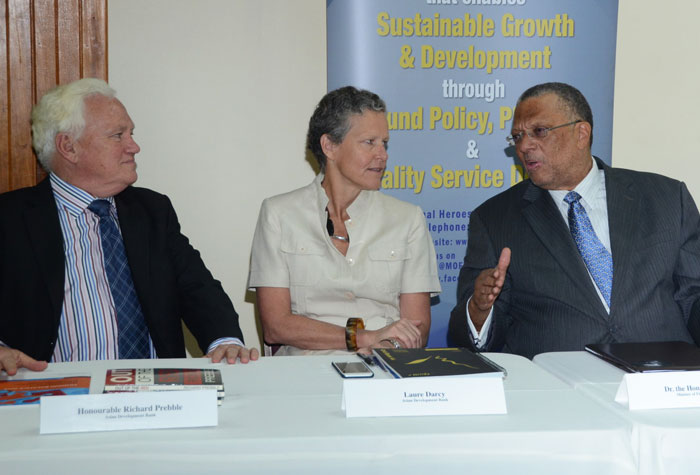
x,y
664,441
283,415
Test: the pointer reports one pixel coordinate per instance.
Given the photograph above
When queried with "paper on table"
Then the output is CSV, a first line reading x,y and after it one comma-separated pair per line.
x,y
673,389
482,394
124,411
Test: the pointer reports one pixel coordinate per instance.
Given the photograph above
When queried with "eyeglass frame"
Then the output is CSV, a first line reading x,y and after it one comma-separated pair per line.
x,y
511,139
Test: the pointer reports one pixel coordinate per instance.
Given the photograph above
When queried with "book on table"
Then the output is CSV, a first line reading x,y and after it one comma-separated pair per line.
x,y
422,362
650,356
28,391
164,379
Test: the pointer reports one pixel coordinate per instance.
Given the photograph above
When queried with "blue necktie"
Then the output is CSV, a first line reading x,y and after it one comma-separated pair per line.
x,y
597,258
133,333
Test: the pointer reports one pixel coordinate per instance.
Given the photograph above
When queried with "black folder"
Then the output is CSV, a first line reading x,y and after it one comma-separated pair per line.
x,y
649,357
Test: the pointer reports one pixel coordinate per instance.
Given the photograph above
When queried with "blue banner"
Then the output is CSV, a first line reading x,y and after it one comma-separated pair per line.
x,y
450,72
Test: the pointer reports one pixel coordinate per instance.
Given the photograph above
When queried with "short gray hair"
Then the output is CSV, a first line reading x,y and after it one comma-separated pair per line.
x,y
61,110
332,117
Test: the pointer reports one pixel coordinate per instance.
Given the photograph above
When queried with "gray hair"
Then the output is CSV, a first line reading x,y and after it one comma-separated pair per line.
x,y
61,110
571,98
332,117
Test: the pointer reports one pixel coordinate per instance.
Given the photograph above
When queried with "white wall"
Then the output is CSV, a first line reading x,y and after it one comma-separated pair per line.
x,y
221,92
657,89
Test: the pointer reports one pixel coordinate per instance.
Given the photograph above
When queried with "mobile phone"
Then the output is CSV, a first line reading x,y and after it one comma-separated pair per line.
x,y
354,369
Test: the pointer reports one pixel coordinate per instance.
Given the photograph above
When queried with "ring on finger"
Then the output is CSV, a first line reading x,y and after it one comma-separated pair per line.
x,y
393,341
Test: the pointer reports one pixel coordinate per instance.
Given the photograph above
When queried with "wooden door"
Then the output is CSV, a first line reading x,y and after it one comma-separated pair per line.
x,y
42,43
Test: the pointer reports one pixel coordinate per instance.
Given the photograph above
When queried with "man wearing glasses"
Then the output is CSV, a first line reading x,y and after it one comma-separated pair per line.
x,y
580,252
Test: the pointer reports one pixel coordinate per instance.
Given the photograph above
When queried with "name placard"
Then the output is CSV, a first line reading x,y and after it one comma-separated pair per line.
x,y
128,411
430,396
663,390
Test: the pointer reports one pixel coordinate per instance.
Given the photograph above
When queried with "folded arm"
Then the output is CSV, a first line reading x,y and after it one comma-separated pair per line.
x,y
281,326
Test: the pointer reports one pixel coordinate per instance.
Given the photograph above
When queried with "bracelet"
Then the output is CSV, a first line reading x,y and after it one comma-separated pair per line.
x,y
393,341
351,328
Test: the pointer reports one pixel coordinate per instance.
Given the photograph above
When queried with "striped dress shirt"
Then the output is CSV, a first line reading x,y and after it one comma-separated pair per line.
x,y
88,327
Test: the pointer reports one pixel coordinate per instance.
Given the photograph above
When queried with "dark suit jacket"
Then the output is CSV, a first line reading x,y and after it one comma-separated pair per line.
x,y
169,275
549,302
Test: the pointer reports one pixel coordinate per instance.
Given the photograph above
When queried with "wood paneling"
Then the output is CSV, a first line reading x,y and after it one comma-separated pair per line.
x,y
4,103
94,40
45,65
42,43
19,48
68,38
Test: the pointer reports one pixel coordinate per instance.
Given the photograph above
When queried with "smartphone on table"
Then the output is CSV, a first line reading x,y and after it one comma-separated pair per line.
x,y
352,369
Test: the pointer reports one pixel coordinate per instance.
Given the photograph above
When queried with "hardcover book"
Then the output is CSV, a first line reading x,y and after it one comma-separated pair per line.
x,y
422,362
28,391
650,356
163,379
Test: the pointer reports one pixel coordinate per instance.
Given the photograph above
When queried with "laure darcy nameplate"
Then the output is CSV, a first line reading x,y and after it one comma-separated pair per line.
x,y
430,396
128,411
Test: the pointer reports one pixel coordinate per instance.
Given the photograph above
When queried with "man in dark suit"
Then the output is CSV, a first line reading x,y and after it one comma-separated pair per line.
x,y
546,269
57,294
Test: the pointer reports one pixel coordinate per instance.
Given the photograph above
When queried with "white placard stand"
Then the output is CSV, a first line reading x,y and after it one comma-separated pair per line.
x,y
662,390
124,411
429,396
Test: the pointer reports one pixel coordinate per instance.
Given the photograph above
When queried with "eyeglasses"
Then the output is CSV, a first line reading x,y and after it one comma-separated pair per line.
x,y
537,133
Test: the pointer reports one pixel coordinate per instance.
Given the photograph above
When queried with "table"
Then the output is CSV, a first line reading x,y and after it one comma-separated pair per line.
x,y
664,441
283,415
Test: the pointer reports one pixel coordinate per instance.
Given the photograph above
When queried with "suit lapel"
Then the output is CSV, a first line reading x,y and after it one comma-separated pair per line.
x,y
46,240
133,223
623,218
547,223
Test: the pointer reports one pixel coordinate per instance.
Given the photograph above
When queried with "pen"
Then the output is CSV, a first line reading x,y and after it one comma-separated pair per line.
x,y
372,361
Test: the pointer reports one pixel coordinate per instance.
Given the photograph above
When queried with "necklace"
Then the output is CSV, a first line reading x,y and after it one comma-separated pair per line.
x,y
331,229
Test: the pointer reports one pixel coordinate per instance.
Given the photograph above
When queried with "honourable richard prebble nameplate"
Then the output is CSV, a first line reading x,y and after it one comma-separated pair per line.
x,y
430,396
128,411
662,390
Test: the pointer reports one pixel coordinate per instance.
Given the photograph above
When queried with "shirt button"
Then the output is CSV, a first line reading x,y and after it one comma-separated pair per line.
x,y
351,261
392,254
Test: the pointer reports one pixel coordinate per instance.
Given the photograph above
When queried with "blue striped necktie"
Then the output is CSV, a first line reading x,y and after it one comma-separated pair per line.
x,y
597,258
133,333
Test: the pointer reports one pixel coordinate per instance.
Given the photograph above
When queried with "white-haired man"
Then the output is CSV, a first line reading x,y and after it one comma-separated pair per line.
x,y
91,267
